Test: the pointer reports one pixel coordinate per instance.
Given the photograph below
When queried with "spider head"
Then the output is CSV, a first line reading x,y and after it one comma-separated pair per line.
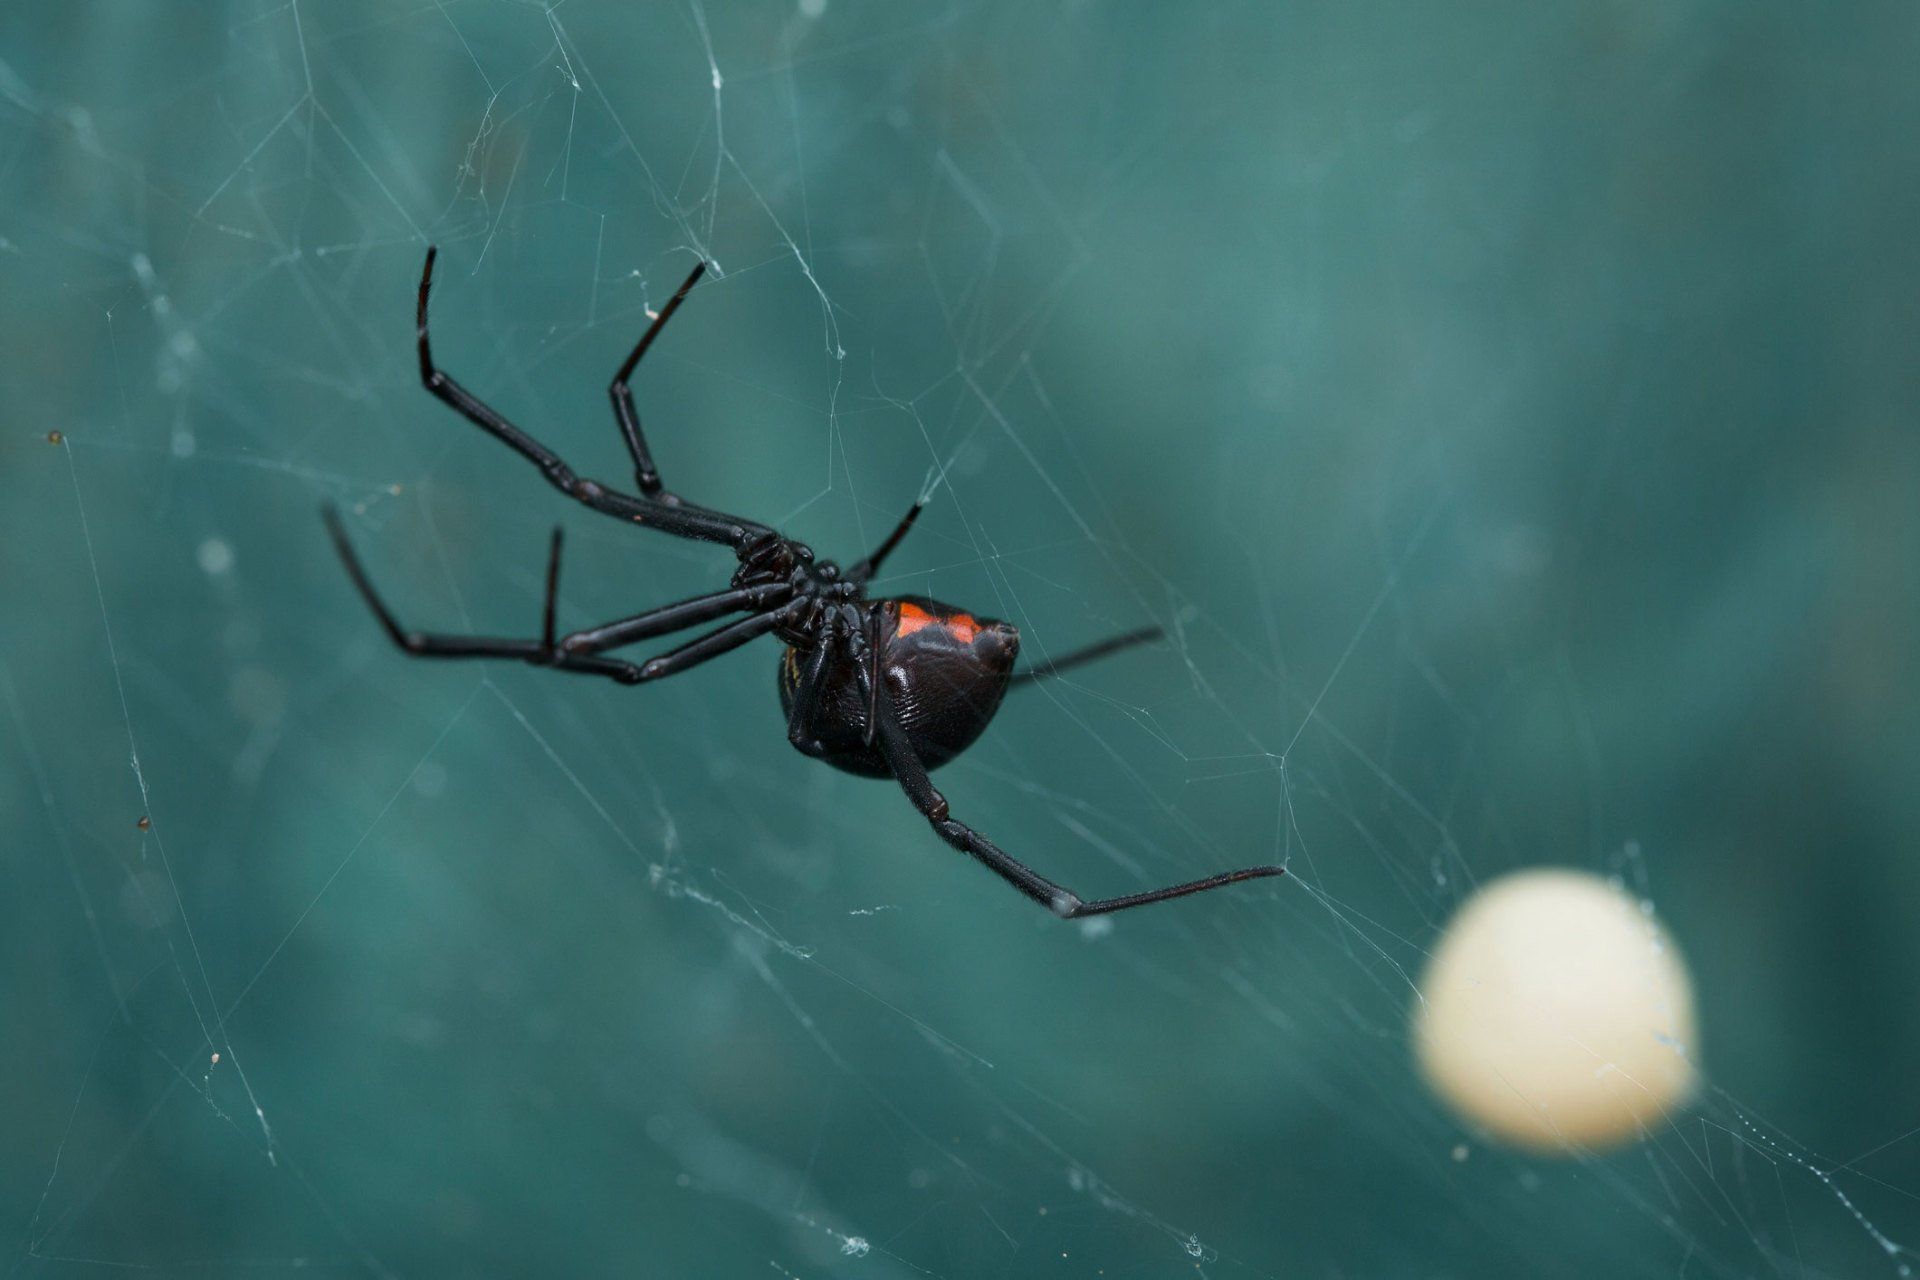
x,y
783,560
772,559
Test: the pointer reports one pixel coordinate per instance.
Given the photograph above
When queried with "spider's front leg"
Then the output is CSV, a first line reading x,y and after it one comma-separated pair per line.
x,y
645,474
1062,901
682,520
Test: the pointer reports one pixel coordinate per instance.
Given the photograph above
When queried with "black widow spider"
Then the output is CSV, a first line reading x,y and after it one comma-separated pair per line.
x,y
880,688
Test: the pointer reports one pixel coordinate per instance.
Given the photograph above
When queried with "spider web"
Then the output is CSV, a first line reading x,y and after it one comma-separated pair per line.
x,y
1393,368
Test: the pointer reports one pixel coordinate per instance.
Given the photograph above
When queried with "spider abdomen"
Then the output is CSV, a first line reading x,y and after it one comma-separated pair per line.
x,y
945,671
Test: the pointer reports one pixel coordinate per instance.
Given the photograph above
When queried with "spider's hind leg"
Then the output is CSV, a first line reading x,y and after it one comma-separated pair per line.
x,y
1057,898
1091,653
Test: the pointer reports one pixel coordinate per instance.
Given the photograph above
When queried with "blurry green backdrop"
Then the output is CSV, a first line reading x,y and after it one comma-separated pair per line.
x,y
1508,409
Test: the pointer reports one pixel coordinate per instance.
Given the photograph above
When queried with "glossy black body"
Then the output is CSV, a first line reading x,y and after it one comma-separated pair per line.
x,y
946,673
891,687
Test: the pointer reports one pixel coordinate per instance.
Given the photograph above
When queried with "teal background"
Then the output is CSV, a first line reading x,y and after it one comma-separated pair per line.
x,y
1508,409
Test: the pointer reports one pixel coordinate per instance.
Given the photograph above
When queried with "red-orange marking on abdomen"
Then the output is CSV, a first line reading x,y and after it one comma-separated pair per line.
x,y
912,618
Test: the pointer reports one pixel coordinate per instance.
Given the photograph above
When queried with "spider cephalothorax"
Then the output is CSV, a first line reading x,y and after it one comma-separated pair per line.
x,y
888,687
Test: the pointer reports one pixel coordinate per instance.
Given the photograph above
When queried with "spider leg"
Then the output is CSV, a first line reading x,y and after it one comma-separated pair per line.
x,y
675,617
1060,900
576,652
621,390
1067,662
678,519
711,645
867,646
653,622
553,590
871,565
424,644
806,691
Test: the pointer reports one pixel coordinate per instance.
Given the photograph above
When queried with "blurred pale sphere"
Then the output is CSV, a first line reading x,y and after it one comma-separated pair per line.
x,y
1556,1012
